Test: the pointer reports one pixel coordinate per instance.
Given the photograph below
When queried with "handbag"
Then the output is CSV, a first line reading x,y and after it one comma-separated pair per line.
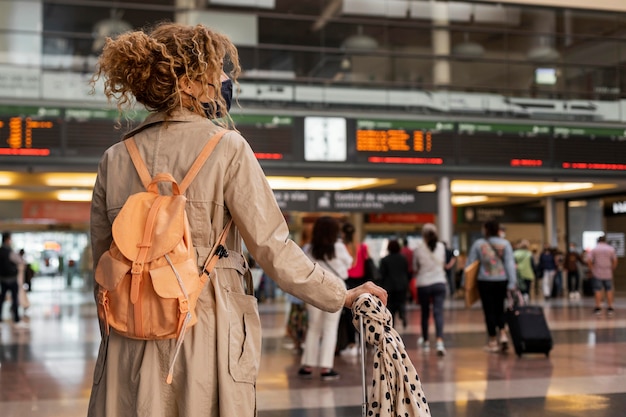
x,y
370,271
471,283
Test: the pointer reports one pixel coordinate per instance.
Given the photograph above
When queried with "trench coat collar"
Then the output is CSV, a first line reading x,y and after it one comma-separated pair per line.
x,y
155,118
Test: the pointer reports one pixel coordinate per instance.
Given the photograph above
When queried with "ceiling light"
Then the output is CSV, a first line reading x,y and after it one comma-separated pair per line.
x,y
325,183
74,195
521,188
360,41
461,200
468,49
543,53
10,195
577,203
6,178
69,179
427,188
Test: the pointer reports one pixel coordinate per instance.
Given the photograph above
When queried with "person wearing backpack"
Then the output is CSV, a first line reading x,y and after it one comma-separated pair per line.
x,y
496,276
209,366
10,261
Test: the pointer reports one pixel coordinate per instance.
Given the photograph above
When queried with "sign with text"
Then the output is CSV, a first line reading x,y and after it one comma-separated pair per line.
x,y
357,201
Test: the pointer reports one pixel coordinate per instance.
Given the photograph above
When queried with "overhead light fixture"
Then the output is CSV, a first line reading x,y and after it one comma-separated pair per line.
x,y
69,179
468,49
10,195
109,28
360,41
427,188
7,178
326,183
74,195
520,188
543,53
461,200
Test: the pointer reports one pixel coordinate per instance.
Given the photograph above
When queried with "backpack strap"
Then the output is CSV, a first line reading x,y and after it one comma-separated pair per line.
x,y
140,166
144,174
200,160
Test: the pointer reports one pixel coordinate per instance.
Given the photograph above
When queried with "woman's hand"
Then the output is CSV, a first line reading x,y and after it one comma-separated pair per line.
x,y
368,287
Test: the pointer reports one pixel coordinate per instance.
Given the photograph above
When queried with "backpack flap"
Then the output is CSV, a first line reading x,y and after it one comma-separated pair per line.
x,y
165,281
110,271
129,227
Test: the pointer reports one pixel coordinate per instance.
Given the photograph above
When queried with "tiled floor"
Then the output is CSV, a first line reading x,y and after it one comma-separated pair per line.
x,y
46,370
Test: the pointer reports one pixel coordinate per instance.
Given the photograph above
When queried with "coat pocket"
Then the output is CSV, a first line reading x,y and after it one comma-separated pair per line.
x,y
244,349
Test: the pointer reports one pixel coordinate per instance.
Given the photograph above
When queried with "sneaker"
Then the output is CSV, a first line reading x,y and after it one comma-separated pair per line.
x,y
350,351
441,350
597,311
421,343
492,347
329,375
21,325
504,342
610,312
305,373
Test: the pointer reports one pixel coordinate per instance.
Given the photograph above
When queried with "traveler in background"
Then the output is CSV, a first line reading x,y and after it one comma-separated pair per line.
x,y
572,260
461,263
10,263
394,271
525,267
346,338
557,285
450,268
547,266
602,261
496,275
407,252
176,71
319,347
429,259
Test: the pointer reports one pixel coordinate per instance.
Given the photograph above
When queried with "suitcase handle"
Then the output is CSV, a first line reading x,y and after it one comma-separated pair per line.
x,y
514,298
362,355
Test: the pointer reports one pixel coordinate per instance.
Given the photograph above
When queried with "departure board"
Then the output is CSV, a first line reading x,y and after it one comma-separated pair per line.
x,y
404,142
504,145
589,148
270,137
511,145
30,135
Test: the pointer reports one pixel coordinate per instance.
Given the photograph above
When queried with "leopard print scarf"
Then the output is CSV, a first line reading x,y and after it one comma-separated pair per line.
x,y
396,387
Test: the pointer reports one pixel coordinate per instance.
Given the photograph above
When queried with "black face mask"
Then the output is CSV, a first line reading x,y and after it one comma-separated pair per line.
x,y
227,94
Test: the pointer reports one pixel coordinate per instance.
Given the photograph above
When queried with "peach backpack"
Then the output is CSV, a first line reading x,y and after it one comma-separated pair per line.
x,y
149,281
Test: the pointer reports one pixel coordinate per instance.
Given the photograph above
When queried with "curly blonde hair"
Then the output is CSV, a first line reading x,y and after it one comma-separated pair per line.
x,y
147,67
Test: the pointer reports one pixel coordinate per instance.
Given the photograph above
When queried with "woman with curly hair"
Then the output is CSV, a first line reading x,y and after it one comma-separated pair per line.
x,y
177,73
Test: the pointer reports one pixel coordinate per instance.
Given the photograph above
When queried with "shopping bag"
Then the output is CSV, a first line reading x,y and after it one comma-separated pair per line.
x,y
471,283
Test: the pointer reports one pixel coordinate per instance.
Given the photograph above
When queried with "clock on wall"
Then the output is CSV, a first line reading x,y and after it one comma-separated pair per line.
x,y
325,139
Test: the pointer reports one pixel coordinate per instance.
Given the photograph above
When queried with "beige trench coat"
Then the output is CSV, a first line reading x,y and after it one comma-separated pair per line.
x,y
215,374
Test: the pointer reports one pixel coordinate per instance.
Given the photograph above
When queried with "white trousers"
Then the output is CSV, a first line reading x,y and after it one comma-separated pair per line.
x,y
548,282
321,338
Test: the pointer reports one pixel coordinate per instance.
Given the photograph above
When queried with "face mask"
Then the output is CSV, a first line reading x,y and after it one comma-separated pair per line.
x,y
227,94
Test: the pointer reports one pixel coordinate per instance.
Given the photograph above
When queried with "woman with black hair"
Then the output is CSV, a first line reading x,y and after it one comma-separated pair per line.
x,y
330,253
395,276
429,259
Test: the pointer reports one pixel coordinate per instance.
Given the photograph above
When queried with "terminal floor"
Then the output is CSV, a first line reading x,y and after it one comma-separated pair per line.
x,y
47,369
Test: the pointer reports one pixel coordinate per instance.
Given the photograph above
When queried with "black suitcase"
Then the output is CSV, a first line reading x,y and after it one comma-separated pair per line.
x,y
529,330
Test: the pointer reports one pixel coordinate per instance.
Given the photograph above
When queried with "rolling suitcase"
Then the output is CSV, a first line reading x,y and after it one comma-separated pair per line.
x,y
529,329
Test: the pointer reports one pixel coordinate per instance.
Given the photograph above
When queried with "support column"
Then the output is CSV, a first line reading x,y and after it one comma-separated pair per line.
x,y
444,217
550,224
441,44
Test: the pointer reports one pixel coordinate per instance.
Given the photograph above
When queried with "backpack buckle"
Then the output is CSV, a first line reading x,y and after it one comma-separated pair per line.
x,y
221,252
